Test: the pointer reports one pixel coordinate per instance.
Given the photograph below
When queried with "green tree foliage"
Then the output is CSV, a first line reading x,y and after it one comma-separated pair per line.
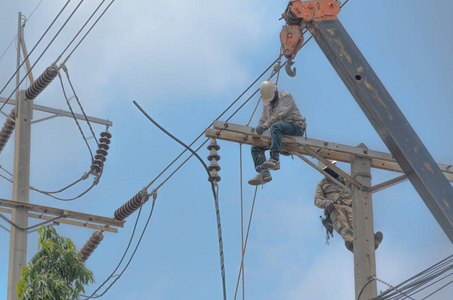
x,y
57,271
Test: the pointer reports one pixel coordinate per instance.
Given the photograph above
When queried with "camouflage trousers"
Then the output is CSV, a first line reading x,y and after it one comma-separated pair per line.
x,y
341,217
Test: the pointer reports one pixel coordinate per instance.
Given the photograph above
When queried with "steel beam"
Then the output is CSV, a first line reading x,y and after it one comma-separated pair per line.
x,y
387,119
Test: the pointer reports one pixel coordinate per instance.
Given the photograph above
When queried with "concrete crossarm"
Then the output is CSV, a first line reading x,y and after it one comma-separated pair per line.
x,y
246,135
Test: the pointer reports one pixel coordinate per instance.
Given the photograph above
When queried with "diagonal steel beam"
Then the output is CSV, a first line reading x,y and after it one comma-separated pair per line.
x,y
387,119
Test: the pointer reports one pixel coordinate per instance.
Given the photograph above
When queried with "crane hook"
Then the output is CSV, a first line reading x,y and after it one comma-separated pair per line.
x,y
289,63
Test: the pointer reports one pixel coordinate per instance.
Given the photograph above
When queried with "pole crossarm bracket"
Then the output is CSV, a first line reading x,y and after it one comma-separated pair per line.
x,y
328,150
60,113
56,215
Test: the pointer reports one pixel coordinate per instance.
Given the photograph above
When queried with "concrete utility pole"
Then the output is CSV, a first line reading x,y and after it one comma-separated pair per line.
x,y
362,211
21,185
20,206
21,181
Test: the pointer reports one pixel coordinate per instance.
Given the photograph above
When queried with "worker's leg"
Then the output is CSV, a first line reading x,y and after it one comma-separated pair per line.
x,y
258,157
341,225
278,130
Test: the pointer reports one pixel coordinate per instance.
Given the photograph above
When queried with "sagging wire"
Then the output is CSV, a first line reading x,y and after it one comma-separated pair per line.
x,y
93,295
232,115
201,134
419,282
56,192
65,69
74,117
34,47
211,180
44,51
363,288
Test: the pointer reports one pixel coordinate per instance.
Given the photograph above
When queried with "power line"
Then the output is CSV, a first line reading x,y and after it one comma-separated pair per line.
x,y
15,37
89,30
53,39
33,49
75,119
420,281
213,184
65,69
79,31
132,256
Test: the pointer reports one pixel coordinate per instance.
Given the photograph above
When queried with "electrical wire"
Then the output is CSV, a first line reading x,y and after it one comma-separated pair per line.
x,y
201,134
216,202
73,39
74,117
420,281
26,19
33,49
363,288
7,48
89,30
122,258
65,69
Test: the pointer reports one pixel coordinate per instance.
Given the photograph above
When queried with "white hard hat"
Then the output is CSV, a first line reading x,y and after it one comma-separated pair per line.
x,y
267,90
323,166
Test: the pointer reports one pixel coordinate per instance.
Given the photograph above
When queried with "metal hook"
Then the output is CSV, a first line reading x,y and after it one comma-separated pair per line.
x,y
289,71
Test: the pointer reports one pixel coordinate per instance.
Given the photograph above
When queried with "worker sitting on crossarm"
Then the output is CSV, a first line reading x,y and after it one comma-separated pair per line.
x,y
337,204
281,116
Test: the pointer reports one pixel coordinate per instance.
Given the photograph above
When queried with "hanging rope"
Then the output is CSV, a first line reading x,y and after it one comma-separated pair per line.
x,y
245,244
242,220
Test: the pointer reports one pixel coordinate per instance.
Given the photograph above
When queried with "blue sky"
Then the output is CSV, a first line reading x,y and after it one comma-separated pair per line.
x,y
184,63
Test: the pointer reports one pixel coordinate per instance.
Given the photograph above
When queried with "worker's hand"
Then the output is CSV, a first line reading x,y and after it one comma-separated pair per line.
x,y
327,203
260,129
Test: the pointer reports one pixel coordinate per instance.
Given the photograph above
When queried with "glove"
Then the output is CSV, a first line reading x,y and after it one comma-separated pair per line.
x,y
260,129
327,203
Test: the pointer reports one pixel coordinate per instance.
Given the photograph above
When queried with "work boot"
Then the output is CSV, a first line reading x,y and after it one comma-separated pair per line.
x,y
378,236
273,163
263,177
349,245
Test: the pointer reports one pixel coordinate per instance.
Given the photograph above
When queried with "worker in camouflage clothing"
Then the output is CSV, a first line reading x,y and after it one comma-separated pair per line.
x,y
337,204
